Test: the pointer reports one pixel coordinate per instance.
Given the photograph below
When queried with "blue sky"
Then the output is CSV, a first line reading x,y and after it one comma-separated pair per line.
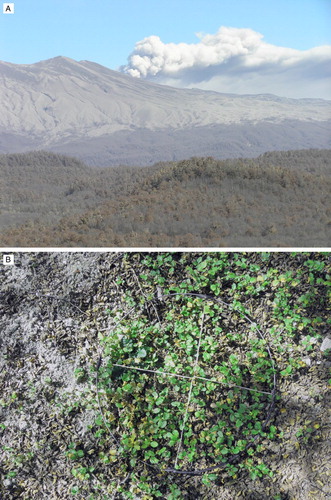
x,y
107,31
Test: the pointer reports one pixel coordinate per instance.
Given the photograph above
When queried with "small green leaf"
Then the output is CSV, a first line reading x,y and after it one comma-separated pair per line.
x,y
141,353
127,387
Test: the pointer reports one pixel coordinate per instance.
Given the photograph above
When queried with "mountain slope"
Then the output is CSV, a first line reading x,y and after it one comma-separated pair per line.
x,y
278,199
60,104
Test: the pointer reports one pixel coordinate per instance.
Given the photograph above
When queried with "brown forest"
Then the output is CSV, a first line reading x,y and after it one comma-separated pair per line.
x,y
279,199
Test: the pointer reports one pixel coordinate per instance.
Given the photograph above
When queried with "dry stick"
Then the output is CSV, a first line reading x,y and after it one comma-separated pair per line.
x,y
151,371
170,374
190,392
138,282
49,296
119,483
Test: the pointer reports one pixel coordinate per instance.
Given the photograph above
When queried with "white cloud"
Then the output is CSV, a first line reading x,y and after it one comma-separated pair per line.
x,y
233,60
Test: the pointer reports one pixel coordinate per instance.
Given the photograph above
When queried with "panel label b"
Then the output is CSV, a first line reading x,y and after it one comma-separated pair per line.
x,y
8,259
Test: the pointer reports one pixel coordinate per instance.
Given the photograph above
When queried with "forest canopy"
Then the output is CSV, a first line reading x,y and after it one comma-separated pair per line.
x,y
277,199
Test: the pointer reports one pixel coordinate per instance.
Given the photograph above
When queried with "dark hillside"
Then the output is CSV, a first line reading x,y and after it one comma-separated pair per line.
x,y
278,199
309,160
36,184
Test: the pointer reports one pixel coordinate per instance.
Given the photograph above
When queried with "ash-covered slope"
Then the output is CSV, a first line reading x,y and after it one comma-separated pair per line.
x,y
104,116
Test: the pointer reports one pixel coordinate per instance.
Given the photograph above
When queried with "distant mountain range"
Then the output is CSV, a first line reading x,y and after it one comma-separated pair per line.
x,y
108,118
